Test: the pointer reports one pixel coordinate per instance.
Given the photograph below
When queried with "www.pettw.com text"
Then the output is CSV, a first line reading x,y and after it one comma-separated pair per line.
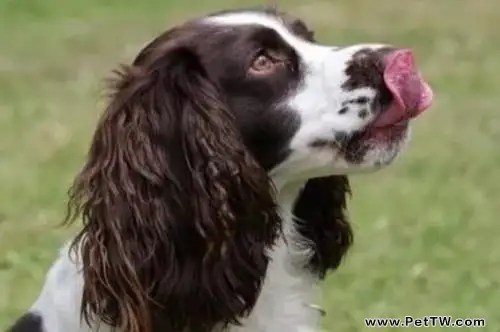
x,y
426,321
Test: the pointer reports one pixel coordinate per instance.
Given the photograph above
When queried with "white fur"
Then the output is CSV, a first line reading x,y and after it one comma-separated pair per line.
x,y
289,290
318,102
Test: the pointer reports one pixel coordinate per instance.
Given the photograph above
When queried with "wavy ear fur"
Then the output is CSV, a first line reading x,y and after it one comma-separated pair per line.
x,y
177,214
322,220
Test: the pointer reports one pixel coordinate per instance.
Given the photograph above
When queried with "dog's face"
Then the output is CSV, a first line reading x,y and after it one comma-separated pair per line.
x,y
306,109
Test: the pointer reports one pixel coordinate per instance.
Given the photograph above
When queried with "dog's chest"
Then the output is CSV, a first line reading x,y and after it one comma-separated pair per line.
x,y
286,301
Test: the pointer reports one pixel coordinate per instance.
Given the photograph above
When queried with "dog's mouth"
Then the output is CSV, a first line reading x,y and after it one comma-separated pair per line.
x,y
410,97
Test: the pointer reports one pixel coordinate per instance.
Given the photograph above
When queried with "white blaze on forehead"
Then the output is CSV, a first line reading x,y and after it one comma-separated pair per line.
x,y
301,46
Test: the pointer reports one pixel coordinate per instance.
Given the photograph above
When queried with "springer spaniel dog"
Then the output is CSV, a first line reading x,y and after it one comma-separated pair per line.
x,y
214,193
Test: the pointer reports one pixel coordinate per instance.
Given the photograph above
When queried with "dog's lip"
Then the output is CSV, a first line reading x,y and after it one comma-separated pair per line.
x,y
387,129
389,132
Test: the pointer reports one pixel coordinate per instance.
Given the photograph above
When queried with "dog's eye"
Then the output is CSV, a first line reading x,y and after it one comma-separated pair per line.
x,y
265,62
262,62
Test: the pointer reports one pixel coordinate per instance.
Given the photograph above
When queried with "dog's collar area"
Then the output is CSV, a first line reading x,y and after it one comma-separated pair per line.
x,y
316,307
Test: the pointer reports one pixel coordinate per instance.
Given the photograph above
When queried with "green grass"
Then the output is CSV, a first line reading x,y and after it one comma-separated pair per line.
x,y
426,228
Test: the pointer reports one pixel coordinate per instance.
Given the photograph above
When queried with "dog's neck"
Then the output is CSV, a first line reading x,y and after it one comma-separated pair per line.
x,y
287,194
298,249
287,191
288,275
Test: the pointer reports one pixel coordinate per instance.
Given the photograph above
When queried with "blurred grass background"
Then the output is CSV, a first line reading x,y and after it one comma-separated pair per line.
x,y
427,228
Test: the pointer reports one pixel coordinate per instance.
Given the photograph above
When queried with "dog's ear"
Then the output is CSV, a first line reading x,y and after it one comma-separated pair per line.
x,y
177,214
321,218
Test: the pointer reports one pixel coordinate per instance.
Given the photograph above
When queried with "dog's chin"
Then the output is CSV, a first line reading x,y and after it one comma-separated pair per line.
x,y
365,151
375,148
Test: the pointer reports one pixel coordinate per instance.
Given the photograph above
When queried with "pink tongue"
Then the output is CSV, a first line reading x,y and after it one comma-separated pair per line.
x,y
412,95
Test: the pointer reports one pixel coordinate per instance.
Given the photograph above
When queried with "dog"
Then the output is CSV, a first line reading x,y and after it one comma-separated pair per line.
x,y
214,194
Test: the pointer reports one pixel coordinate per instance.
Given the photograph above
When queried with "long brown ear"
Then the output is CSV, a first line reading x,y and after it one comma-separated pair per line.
x,y
177,214
321,216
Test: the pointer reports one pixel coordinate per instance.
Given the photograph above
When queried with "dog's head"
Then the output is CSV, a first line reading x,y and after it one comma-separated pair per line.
x,y
177,195
304,108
